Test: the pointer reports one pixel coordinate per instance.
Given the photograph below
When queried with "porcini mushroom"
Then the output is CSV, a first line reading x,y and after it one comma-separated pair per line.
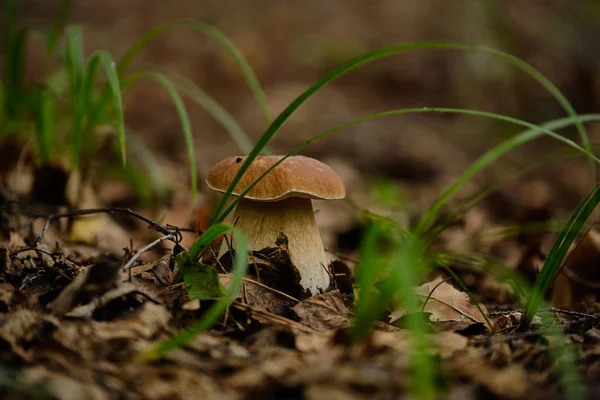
x,y
282,203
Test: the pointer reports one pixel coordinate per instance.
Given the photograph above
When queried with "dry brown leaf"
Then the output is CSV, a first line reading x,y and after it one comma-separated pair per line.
x,y
23,326
173,382
61,386
313,342
93,282
450,308
446,343
95,339
324,312
507,383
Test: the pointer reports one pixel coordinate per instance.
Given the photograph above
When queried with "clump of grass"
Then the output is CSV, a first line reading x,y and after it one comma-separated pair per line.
x,y
68,105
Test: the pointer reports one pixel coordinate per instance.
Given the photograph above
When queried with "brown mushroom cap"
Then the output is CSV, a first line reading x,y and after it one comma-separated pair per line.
x,y
297,176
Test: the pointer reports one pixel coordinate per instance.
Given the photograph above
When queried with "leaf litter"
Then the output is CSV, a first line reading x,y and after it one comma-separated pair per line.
x,y
72,323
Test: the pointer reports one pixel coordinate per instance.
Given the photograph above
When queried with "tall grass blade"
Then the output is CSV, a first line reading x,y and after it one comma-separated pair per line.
x,y
217,36
488,158
370,265
57,28
386,52
75,69
219,308
200,97
186,125
108,63
14,69
532,133
148,160
553,263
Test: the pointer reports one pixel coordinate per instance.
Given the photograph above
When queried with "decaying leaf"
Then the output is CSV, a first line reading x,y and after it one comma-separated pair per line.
x,y
263,297
201,280
61,386
508,383
444,343
449,308
93,282
324,312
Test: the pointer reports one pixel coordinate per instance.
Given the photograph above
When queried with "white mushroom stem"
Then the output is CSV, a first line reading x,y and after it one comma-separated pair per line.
x,y
262,222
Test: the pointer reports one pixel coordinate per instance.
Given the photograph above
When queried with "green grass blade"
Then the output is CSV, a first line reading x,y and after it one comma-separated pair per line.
x,y
532,133
561,246
206,238
149,162
369,267
386,52
44,124
75,70
406,266
487,159
219,308
14,78
57,27
459,210
108,63
214,34
186,125
200,97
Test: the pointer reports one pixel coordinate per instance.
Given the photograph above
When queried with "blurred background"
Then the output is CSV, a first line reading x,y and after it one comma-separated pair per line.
x,y
291,44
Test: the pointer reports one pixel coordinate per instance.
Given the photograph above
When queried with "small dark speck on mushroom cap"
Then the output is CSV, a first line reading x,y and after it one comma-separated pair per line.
x,y
297,176
239,159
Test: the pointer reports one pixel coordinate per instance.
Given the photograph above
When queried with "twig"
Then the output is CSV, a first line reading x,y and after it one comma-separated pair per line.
x,y
145,249
547,310
174,237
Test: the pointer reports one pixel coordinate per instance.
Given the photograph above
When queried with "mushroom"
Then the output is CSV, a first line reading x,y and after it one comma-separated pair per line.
x,y
282,203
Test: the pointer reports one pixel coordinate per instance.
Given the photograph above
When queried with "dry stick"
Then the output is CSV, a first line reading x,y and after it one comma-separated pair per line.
x,y
129,263
175,238
547,310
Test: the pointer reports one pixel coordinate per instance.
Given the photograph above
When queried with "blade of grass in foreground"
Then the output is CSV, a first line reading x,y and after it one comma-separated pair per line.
x,y
218,309
406,266
386,52
484,161
563,242
200,97
219,38
184,118
370,266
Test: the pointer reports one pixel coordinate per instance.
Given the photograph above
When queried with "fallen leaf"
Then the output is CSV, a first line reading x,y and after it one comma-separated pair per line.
x,y
449,308
93,282
324,312
444,343
510,382
201,280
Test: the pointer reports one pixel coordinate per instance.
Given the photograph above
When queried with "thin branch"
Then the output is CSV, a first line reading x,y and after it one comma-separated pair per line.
x,y
129,263
175,237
